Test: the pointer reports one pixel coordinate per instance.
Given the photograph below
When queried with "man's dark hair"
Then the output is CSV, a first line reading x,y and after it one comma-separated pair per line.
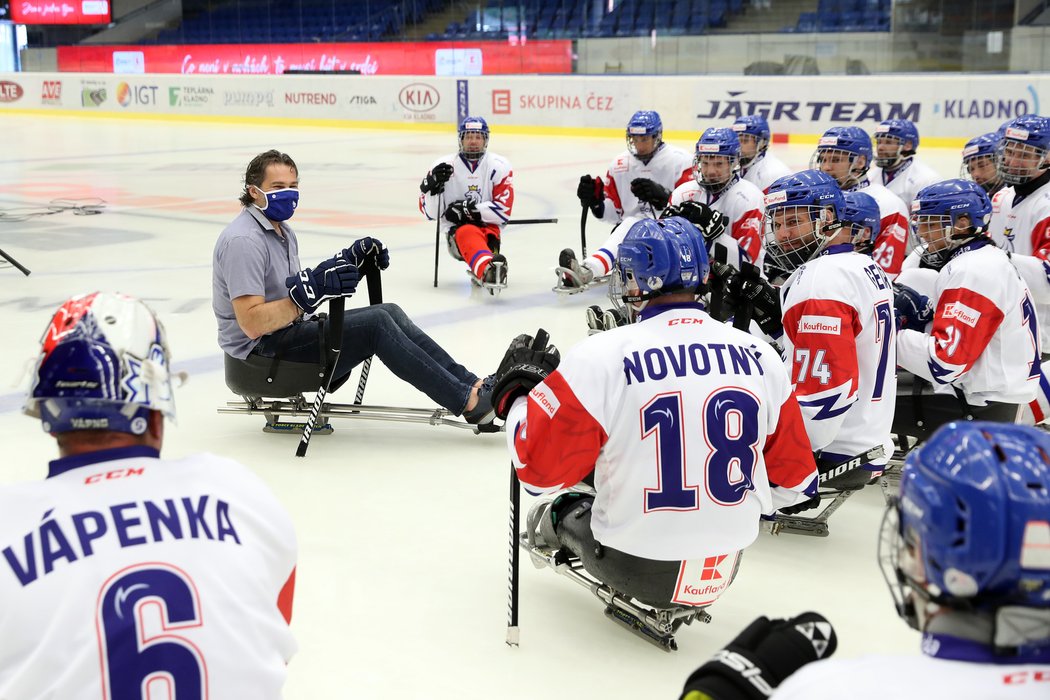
x,y
256,172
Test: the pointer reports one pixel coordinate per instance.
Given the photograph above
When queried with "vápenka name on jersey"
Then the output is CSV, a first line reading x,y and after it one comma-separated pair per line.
x,y
695,358
67,538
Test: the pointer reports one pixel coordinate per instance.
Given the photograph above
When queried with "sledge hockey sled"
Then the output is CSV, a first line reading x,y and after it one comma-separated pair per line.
x,y
655,625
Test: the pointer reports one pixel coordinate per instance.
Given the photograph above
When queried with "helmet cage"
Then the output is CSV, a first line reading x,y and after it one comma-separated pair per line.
x,y
1033,158
712,186
853,175
898,155
473,125
806,242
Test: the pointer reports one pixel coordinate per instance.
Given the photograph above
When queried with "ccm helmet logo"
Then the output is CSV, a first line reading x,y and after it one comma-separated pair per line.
x,y
419,97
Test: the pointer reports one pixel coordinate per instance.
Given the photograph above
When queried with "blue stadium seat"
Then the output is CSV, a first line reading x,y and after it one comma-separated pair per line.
x,y
807,22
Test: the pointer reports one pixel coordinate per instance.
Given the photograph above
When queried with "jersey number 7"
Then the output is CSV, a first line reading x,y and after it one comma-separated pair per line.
x,y
729,426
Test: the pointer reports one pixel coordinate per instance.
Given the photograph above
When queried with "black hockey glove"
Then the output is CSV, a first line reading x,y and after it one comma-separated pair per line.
x,y
721,307
802,507
526,363
335,277
711,223
590,191
760,658
911,309
462,212
748,287
434,182
648,191
366,252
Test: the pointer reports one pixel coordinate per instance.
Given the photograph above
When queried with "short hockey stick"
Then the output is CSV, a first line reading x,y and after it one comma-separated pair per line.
x,y
335,345
513,554
375,296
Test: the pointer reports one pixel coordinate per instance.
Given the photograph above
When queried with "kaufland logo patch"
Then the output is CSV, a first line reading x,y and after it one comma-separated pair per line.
x,y
639,130
545,400
828,141
970,150
828,325
882,129
962,313
707,148
1013,132
776,198
739,127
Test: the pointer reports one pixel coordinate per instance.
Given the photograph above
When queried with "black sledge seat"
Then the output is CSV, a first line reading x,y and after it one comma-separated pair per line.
x,y
259,377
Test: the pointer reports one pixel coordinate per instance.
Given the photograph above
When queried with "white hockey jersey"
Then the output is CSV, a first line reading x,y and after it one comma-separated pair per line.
x,y
839,343
685,422
745,206
984,338
1001,203
764,170
915,678
891,245
907,180
124,571
669,167
489,183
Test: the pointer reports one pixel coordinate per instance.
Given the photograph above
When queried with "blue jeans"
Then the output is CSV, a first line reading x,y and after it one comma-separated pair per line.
x,y
383,330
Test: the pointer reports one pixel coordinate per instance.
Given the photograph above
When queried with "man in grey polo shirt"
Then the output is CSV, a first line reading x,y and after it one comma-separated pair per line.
x,y
260,294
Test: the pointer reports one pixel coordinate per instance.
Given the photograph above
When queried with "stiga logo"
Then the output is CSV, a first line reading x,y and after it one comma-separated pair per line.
x,y
51,92
792,111
10,92
137,95
419,97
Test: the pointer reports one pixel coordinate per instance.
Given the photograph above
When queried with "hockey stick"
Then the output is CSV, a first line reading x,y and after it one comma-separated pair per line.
x,y
512,554
22,269
583,233
335,343
437,239
520,222
375,296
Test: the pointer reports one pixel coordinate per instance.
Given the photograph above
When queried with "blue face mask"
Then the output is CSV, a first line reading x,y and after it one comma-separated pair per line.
x,y
280,204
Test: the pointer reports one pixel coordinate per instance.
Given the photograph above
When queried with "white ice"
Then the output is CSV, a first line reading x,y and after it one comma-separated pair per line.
x,y
402,528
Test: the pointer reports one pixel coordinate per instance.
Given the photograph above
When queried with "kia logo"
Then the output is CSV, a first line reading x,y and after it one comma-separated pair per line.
x,y
418,97
9,92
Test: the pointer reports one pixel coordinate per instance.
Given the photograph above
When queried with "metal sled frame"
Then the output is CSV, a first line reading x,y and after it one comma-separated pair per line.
x,y
655,625
816,526
566,291
298,407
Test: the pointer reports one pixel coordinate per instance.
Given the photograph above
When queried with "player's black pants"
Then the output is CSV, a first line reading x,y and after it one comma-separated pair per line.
x,y
919,411
648,581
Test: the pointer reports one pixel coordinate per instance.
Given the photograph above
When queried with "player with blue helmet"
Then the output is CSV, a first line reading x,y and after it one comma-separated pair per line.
x,y
679,372
472,193
1023,153
978,162
118,540
965,551
758,165
977,339
896,166
845,153
636,186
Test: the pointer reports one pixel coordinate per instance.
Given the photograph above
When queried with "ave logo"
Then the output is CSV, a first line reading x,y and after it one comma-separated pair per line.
x,y
10,92
51,92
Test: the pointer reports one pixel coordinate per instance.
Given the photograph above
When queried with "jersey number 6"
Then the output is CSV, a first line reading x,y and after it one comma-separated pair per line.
x,y
138,609
729,425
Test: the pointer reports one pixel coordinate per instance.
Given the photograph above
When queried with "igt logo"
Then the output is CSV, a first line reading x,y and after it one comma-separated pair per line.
x,y
139,94
419,97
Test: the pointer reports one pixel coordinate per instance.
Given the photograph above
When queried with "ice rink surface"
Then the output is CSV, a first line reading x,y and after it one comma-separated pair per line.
x,y
401,588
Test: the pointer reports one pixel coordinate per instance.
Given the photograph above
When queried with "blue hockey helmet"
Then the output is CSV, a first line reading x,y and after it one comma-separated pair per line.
x,y
717,158
103,365
937,214
862,213
1023,152
644,123
476,125
803,213
844,152
971,528
688,231
895,135
653,261
755,126
978,161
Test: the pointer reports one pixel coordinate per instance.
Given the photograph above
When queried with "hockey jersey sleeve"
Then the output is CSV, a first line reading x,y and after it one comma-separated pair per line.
x,y
747,230
823,364
497,209
613,211
554,442
964,322
892,242
1041,238
790,466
